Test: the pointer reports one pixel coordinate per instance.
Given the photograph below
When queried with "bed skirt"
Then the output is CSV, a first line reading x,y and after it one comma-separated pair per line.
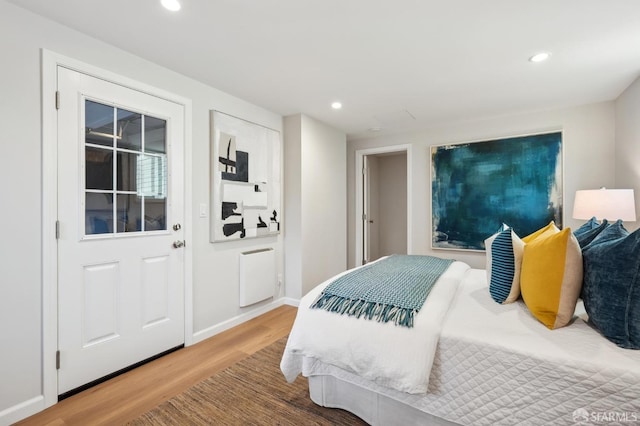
x,y
372,407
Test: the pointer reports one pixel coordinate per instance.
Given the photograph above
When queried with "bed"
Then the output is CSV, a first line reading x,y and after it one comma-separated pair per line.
x,y
484,364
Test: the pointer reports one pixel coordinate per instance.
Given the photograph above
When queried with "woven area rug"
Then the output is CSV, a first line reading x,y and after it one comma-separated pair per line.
x,y
250,392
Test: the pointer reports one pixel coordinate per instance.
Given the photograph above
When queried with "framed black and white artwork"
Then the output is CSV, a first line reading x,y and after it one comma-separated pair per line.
x,y
245,179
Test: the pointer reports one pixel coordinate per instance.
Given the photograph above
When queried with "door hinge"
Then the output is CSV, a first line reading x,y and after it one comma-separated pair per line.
x,y
364,170
57,99
364,216
57,360
57,229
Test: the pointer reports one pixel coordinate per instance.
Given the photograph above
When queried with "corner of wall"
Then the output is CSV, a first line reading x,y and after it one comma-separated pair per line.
x,y
292,220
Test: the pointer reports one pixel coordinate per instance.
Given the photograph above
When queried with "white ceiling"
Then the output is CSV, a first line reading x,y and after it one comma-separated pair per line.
x,y
394,64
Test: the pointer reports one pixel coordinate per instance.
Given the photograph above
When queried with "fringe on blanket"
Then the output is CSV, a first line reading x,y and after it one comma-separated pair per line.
x,y
370,310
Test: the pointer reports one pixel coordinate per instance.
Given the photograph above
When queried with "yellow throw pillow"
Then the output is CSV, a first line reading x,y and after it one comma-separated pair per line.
x,y
550,229
551,276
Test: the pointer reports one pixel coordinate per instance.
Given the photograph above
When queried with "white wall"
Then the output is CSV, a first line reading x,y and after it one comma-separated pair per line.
x,y
317,179
324,198
588,143
20,176
292,217
628,143
215,272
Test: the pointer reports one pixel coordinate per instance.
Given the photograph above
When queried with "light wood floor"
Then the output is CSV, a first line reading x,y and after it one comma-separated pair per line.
x,y
125,397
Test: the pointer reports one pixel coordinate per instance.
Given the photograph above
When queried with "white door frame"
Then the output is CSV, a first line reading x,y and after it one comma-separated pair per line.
x,y
50,63
360,154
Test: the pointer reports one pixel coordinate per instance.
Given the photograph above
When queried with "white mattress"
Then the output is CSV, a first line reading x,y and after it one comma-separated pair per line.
x,y
497,365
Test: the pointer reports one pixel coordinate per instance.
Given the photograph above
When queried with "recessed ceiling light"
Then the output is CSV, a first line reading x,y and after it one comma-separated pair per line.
x,y
172,5
336,105
540,57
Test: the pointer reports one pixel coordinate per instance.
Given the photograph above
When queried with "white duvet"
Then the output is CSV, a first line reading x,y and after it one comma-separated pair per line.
x,y
497,365
392,356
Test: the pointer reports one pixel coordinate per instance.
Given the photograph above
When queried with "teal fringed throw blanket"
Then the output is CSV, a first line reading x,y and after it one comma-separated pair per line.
x,y
391,289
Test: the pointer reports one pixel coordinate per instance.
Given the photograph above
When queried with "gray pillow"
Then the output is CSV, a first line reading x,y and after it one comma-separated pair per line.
x,y
611,290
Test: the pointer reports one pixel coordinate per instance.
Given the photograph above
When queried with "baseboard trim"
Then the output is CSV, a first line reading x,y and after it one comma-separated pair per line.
x,y
291,301
237,320
22,410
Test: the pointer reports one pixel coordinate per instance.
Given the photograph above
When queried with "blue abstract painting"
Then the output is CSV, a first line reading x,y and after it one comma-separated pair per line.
x,y
478,186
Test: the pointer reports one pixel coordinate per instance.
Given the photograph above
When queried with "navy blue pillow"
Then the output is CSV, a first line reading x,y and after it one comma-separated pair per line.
x,y
611,290
504,283
589,231
591,224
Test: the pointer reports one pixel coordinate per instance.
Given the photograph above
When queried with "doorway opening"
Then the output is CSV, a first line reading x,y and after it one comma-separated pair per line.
x,y
383,200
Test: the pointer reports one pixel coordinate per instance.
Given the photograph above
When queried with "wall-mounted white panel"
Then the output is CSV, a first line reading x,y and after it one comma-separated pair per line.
x,y
257,276
155,290
100,314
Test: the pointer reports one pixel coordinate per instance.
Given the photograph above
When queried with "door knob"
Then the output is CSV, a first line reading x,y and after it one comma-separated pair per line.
x,y
177,227
178,244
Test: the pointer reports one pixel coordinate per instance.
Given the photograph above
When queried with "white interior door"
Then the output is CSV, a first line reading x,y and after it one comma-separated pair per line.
x,y
370,224
373,208
365,210
120,210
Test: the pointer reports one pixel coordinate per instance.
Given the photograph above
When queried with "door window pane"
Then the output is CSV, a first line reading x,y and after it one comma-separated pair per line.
x,y
98,120
98,168
98,213
129,130
152,176
155,135
155,218
129,213
127,167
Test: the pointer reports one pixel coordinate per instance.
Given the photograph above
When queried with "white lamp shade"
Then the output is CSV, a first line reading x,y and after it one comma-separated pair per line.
x,y
610,204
